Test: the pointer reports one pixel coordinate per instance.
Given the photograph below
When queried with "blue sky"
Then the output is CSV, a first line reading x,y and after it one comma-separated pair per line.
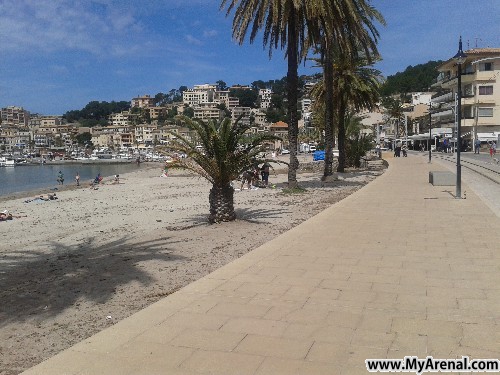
x,y
57,55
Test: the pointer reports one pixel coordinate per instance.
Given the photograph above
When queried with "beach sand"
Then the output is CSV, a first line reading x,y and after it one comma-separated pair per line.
x,y
79,264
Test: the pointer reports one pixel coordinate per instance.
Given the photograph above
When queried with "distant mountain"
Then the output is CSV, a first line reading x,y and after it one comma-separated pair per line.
x,y
413,79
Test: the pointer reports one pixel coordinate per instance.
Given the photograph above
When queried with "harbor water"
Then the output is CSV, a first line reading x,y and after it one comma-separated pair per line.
x,y
35,177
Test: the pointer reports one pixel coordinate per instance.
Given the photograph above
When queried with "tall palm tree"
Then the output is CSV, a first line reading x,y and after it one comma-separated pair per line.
x,y
355,87
340,28
221,159
284,24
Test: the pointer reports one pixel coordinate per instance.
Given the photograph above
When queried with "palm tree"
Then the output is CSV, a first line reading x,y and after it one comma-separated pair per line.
x,y
220,159
340,28
284,24
356,86
395,114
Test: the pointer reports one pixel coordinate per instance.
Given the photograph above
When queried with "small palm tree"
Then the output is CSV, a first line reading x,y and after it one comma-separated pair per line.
x,y
395,114
221,159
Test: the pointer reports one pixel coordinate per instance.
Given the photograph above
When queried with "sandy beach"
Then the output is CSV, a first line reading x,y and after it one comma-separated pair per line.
x,y
76,265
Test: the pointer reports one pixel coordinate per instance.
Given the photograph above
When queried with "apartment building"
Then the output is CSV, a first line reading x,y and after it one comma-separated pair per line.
x,y
14,138
265,98
480,81
306,104
14,116
124,118
207,111
243,112
144,101
199,94
144,133
260,118
158,112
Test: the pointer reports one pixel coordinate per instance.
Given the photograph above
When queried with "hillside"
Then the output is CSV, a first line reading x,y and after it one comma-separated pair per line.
x,y
413,79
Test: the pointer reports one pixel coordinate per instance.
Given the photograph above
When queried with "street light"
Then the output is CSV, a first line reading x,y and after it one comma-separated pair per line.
x,y
459,59
430,131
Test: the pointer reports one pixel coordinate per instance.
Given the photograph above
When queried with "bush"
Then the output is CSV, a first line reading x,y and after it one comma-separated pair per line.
x,y
356,148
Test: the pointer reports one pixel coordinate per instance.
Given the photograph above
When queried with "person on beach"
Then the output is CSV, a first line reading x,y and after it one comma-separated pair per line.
x,y
98,179
77,179
60,178
264,172
251,177
117,179
5,215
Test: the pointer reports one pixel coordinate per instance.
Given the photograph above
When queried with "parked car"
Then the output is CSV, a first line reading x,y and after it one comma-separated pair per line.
x,y
285,151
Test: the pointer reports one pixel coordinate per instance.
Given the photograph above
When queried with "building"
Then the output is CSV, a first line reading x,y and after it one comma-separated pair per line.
x,y
265,98
158,112
242,113
199,94
207,111
306,104
15,116
144,101
124,118
480,94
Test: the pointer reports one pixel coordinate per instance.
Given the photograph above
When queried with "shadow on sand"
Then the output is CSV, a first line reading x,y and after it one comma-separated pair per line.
x,y
44,284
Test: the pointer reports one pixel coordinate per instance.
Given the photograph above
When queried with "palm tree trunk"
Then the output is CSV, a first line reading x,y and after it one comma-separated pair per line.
x,y
292,87
342,135
221,200
329,138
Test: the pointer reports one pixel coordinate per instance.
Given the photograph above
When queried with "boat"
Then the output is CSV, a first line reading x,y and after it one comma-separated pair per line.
x,y
7,161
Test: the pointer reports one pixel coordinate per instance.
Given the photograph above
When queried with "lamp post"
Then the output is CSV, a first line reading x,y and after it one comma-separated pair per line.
x,y
459,59
430,131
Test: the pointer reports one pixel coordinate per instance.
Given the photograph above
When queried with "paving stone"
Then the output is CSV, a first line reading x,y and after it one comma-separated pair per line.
x,y
208,339
274,347
222,363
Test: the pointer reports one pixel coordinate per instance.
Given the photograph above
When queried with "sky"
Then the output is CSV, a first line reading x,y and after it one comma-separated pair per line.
x,y
58,55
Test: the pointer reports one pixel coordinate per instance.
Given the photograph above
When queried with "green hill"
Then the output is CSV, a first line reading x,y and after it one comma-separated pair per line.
x,y
413,79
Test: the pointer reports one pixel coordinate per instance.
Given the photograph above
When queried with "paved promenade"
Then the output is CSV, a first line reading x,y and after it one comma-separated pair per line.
x,y
398,268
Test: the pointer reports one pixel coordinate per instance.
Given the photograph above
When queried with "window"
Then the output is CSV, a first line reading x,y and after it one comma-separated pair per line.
x,y
487,66
485,112
485,90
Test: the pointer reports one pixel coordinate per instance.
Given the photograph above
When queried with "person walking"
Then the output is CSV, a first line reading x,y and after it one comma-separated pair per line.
x,y
477,146
77,179
60,178
493,149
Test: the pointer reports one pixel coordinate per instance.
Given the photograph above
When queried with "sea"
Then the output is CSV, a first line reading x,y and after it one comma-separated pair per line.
x,y
38,177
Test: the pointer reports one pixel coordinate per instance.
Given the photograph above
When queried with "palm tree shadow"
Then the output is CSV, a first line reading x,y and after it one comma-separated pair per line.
x,y
45,284
259,216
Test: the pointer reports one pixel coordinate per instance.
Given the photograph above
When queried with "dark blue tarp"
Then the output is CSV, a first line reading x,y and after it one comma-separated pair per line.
x,y
319,155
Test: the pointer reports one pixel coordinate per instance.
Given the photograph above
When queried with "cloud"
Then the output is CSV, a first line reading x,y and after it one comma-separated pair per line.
x,y
192,40
58,25
210,33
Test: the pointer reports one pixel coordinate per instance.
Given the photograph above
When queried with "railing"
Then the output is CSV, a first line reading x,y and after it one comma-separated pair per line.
x,y
440,97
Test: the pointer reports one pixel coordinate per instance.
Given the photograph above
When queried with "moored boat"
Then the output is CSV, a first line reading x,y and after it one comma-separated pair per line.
x,y
7,162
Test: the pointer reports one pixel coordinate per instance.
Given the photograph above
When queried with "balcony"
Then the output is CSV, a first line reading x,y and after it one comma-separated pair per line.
x,y
442,98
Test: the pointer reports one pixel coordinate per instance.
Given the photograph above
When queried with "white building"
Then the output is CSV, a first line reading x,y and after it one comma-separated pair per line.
x,y
199,94
265,98
480,93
